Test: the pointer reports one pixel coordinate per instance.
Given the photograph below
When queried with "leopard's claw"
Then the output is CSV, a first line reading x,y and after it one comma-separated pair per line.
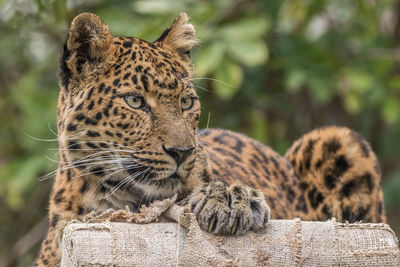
x,y
229,210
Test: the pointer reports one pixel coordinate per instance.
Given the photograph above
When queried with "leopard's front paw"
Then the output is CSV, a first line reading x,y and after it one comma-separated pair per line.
x,y
229,210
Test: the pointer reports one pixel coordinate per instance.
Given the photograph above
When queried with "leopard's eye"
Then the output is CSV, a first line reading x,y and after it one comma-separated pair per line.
x,y
135,101
187,103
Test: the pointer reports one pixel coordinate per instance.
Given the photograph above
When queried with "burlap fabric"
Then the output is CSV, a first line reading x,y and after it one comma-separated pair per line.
x,y
284,243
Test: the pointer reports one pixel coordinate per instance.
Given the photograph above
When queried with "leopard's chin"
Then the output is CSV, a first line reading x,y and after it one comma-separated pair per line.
x,y
164,178
164,187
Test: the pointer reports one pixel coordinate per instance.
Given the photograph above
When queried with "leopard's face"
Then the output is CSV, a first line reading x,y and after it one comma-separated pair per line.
x,y
129,118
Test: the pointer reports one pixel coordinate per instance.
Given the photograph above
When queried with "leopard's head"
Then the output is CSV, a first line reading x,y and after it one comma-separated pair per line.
x,y
128,111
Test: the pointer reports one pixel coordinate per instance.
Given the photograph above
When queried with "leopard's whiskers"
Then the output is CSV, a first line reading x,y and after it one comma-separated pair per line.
x,y
214,80
67,137
125,180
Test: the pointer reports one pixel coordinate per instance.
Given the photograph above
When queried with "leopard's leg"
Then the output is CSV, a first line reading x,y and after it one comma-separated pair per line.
x,y
235,209
50,251
339,176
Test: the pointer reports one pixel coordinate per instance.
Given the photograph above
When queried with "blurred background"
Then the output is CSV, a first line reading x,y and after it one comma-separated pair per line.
x,y
273,69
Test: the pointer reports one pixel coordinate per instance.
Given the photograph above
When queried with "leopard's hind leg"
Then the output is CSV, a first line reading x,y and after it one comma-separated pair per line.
x,y
339,177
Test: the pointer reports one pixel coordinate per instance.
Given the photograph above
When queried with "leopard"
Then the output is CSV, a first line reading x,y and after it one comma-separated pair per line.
x,y
127,121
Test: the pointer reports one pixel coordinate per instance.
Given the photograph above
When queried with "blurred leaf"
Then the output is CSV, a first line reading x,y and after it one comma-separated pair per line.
x,y
391,110
245,29
259,128
131,26
360,81
291,13
352,102
228,77
25,173
319,88
250,53
158,6
391,189
394,83
295,80
208,58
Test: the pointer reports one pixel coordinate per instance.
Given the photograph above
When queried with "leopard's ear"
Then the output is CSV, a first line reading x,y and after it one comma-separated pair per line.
x,y
180,37
88,37
88,42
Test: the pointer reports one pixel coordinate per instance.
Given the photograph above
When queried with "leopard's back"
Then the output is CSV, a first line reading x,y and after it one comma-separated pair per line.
x,y
339,176
329,172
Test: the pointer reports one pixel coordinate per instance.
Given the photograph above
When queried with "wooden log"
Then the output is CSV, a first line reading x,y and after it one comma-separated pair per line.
x,y
283,243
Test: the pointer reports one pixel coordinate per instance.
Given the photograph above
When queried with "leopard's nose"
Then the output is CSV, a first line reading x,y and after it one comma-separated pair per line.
x,y
179,154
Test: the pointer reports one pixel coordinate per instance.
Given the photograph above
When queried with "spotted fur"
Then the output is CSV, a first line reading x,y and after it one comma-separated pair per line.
x,y
127,121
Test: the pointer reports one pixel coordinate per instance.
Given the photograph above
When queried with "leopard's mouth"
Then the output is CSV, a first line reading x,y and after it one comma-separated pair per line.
x,y
172,177
138,172
144,174
166,179
175,175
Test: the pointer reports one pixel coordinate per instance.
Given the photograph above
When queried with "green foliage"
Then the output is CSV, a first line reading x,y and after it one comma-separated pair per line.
x,y
272,69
